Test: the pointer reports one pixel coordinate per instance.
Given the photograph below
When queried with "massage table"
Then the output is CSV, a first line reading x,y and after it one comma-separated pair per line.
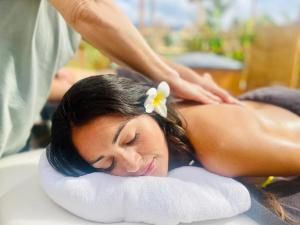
x,y
23,202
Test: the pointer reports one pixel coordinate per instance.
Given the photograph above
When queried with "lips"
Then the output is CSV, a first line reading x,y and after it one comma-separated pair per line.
x,y
148,169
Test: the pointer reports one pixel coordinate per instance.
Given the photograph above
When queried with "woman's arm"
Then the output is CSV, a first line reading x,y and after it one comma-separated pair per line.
x,y
233,141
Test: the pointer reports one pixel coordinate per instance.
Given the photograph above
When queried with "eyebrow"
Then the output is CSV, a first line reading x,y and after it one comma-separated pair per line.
x,y
115,138
117,134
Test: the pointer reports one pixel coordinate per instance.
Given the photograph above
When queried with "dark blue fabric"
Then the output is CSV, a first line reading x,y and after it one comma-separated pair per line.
x,y
262,214
284,97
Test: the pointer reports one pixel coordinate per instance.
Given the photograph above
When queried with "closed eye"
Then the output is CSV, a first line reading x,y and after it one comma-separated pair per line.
x,y
110,168
132,141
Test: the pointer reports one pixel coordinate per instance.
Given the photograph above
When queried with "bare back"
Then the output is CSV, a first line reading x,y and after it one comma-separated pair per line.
x,y
256,139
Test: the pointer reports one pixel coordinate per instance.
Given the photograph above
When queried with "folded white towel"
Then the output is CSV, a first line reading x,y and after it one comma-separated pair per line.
x,y
188,194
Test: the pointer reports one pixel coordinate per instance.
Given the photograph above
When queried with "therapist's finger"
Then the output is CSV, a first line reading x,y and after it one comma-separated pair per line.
x,y
204,96
193,92
221,93
211,95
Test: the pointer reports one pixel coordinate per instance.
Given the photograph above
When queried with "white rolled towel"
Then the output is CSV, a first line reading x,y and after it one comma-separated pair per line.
x,y
188,194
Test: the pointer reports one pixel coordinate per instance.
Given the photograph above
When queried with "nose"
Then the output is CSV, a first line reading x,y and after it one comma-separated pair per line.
x,y
129,160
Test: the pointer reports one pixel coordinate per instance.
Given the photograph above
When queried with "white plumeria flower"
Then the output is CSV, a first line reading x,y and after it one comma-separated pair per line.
x,y
157,99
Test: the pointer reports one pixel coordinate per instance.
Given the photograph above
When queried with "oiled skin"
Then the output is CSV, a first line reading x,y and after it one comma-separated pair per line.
x,y
256,139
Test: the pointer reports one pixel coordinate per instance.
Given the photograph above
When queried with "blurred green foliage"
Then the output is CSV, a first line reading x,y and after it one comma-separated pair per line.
x,y
88,57
232,42
211,38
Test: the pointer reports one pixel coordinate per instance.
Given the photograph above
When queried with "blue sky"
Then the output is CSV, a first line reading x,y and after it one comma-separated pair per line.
x,y
178,13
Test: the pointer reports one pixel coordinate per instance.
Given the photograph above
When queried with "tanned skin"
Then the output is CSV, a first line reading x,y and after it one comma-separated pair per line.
x,y
255,139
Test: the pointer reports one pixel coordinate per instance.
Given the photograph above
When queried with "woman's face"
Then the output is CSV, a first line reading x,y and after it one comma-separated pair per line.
x,y
122,146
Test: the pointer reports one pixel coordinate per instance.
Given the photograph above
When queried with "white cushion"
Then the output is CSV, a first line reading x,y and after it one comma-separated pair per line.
x,y
23,202
187,195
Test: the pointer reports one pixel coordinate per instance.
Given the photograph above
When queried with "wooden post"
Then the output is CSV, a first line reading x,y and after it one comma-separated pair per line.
x,y
141,14
254,11
153,12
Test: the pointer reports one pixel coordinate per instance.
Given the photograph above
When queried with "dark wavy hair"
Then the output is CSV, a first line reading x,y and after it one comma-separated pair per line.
x,y
103,95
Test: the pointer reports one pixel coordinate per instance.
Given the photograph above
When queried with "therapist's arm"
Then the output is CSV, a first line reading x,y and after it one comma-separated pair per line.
x,y
104,25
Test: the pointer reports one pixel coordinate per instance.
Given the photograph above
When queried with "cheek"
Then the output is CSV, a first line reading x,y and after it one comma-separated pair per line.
x,y
152,141
153,144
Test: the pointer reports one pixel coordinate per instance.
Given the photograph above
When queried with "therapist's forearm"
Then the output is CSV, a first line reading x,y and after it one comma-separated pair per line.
x,y
105,26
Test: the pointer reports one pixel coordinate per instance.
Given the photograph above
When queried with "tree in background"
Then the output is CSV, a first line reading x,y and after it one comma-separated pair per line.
x,y
209,35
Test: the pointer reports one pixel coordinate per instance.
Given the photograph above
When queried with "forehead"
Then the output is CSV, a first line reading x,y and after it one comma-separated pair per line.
x,y
87,136
100,123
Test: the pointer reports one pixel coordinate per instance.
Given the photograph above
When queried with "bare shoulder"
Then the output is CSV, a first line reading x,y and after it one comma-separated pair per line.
x,y
223,116
210,127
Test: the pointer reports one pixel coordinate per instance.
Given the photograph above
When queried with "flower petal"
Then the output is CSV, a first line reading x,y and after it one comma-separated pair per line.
x,y
149,100
151,92
164,88
149,108
161,109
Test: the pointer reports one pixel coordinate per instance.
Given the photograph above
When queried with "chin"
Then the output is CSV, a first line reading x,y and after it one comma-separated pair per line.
x,y
161,169
160,173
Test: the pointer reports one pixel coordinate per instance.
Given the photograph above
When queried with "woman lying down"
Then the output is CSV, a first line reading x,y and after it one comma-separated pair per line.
x,y
113,125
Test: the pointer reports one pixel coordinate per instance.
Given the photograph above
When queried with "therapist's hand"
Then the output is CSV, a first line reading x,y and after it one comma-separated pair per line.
x,y
106,27
192,86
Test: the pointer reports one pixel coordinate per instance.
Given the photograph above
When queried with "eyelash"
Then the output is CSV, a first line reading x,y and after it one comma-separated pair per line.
x,y
131,142
112,166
